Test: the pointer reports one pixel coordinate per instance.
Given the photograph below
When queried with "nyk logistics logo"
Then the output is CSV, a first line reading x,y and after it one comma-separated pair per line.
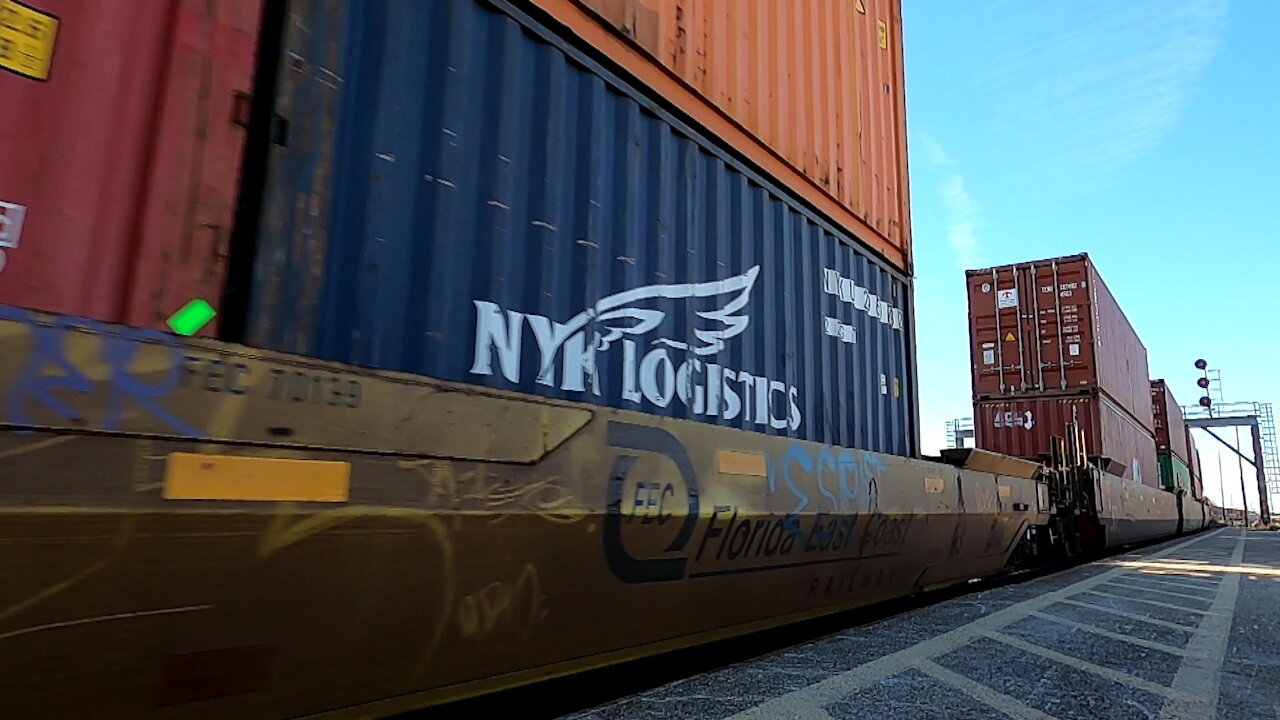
x,y
651,376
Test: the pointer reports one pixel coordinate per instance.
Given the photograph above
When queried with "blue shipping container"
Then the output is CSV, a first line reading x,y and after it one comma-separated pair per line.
x,y
458,192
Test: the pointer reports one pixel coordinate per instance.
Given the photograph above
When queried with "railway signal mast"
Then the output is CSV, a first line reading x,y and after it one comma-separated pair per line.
x,y
1234,420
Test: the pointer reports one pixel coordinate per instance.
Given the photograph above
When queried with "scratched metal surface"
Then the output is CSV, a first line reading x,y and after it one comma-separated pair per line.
x,y
461,197
595,535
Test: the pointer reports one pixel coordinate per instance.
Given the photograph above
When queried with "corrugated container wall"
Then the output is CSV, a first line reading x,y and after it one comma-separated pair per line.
x,y
124,160
1171,429
465,195
818,82
1193,456
1024,428
1053,327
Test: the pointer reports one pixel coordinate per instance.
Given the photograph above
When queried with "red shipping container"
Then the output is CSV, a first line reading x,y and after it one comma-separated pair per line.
x,y
1170,428
1024,427
1053,327
1193,464
124,161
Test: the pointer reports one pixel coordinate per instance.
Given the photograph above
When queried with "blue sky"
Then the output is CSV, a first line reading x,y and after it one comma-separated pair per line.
x,y
1146,133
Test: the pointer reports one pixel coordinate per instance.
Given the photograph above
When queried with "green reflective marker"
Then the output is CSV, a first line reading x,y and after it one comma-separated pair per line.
x,y
191,317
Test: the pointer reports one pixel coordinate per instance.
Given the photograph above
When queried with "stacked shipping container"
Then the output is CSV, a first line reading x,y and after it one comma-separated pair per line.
x,y
487,192
118,184
485,205
1050,344
1172,443
817,83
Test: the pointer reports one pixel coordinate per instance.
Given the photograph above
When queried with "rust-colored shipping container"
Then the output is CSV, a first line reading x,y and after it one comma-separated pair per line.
x,y
1024,427
817,84
1170,428
1052,326
121,164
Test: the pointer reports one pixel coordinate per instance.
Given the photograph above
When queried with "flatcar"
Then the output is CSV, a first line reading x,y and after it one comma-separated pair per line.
x,y
202,530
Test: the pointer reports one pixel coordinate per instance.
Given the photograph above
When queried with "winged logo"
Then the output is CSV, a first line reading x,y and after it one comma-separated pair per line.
x,y
623,314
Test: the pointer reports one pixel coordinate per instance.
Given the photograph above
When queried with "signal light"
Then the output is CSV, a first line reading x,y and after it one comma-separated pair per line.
x,y
1203,382
1205,401
1201,364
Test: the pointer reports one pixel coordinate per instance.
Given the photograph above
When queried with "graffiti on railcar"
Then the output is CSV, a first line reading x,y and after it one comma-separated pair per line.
x,y
515,606
498,490
847,469
92,375
818,505
140,368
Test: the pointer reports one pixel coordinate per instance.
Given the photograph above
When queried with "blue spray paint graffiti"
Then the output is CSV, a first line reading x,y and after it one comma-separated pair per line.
x,y
35,384
802,460
863,468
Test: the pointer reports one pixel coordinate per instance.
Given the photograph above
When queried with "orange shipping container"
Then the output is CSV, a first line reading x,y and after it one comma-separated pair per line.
x,y
809,90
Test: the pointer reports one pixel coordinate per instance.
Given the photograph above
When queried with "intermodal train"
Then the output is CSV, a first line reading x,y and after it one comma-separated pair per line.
x,y
541,345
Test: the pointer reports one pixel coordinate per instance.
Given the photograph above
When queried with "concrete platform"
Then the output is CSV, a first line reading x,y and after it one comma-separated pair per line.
x,y
1187,630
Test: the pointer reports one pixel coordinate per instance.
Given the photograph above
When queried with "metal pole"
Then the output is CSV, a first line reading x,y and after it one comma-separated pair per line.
x,y
1264,502
1244,498
1222,488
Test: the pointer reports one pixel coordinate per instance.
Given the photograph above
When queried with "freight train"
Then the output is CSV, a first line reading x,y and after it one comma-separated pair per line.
x,y
534,353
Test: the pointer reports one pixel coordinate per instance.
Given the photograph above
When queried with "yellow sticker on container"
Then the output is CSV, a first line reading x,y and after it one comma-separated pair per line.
x,y
26,39
884,34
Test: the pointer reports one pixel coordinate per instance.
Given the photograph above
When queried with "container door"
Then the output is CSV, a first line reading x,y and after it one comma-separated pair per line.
x,y
1061,316
996,302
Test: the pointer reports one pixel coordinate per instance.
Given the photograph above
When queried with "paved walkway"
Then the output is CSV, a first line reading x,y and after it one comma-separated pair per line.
x,y
1187,630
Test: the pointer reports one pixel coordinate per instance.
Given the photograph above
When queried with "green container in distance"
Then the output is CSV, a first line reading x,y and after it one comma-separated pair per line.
x,y
1174,474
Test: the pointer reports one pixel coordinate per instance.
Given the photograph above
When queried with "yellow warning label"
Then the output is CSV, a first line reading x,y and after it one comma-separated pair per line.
x,y
1008,337
862,9
884,34
26,40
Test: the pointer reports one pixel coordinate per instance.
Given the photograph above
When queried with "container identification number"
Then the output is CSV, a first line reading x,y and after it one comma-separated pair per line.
x,y
222,376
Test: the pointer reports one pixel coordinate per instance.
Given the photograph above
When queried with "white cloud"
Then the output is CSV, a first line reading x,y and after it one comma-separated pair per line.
x,y
933,152
963,222
1104,83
